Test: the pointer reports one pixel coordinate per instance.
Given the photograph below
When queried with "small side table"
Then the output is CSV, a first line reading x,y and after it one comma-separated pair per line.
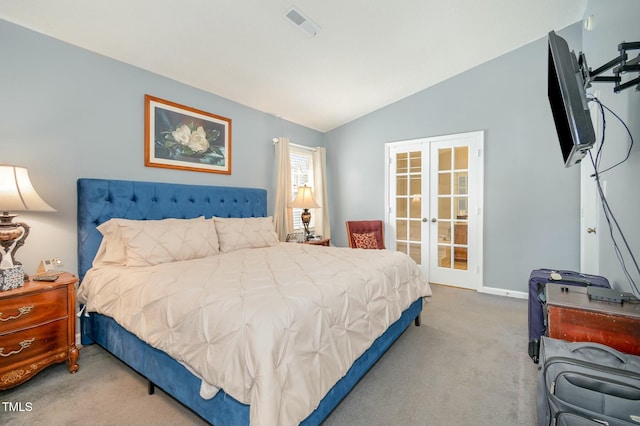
x,y
37,329
574,317
323,242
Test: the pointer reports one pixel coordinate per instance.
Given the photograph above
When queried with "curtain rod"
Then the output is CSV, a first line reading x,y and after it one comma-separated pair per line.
x,y
275,141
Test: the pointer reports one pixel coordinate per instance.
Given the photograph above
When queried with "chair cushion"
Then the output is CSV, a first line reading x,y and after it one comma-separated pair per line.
x,y
376,227
366,240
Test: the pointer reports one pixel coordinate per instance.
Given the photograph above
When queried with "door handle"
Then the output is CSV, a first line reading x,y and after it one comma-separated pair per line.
x,y
424,219
591,230
434,220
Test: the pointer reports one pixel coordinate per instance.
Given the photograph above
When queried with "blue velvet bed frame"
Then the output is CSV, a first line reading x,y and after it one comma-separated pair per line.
x,y
99,200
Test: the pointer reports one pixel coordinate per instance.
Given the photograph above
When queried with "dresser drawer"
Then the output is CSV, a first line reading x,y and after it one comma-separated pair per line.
x,y
30,344
17,313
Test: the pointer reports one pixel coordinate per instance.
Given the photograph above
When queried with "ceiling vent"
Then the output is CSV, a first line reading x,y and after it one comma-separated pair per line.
x,y
299,20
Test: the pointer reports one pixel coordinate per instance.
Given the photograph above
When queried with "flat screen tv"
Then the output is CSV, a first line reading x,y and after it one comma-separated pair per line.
x,y
568,100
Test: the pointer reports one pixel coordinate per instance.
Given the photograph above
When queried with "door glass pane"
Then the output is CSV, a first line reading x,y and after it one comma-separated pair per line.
x,y
460,233
415,252
402,165
401,207
444,159
415,161
444,208
400,246
401,229
460,183
444,231
460,258
415,231
416,185
401,185
460,207
461,157
444,183
444,256
416,208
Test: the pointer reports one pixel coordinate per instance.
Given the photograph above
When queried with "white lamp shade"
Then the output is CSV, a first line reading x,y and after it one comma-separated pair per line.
x,y
304,199
17,192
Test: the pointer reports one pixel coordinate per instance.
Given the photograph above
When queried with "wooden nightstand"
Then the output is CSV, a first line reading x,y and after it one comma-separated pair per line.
x,y
37,329
322,242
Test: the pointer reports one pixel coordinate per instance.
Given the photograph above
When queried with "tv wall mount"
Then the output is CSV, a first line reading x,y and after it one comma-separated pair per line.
x,y
620,65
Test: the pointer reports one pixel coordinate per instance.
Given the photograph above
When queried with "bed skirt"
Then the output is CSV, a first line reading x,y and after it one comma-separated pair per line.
x,y
173,378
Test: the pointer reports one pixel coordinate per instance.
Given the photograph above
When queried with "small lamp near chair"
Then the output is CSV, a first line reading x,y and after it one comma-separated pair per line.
x,y
304,200
16,194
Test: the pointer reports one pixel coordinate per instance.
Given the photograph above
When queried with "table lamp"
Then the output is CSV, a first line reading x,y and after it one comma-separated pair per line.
x,y
304,200
16,194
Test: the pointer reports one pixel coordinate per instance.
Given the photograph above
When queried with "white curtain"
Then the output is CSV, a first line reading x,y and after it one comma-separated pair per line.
x,y
282,214
321,215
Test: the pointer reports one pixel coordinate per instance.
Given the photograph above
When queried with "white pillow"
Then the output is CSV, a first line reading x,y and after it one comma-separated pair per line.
x,y
112,250
150,242
251,232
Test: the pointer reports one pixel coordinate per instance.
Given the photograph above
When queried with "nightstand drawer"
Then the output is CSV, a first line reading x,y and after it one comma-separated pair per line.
x,y
30,344
17,313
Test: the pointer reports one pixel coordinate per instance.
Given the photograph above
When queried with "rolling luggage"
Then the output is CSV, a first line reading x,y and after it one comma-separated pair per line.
x,y
586,384
537,282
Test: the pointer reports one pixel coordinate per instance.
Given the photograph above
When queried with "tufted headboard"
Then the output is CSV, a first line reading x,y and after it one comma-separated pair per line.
x,y
101,199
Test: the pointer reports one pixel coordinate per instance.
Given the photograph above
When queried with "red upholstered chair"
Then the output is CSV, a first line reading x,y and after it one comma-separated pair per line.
x,y
365,234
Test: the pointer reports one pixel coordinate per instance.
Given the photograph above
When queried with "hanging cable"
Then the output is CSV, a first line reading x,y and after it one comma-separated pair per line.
x,y
602,108
612,222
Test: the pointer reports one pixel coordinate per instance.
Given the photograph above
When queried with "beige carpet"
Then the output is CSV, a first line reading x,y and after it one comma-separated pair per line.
x,y
466,365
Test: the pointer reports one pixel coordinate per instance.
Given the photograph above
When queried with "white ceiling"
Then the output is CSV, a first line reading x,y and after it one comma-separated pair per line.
x,y
368,53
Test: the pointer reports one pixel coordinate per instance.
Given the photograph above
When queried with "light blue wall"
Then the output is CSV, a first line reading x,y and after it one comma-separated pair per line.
x,y
532,205
615,22
67,113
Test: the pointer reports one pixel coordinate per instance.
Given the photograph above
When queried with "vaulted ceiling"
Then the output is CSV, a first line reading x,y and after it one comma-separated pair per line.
x,y
366,54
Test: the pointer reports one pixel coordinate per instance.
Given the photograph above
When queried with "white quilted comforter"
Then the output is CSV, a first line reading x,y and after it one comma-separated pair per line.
x,y
275,327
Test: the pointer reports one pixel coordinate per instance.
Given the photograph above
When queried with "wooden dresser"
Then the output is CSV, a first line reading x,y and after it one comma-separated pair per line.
x,y
37,329
572,316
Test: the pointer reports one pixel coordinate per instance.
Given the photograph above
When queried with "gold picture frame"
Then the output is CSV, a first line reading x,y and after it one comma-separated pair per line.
x,y
185,138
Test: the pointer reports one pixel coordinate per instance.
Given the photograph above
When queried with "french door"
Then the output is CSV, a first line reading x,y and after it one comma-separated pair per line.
x,y
434,196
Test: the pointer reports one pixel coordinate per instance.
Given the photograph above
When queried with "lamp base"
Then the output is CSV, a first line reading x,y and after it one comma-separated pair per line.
x,y
305,216
12,237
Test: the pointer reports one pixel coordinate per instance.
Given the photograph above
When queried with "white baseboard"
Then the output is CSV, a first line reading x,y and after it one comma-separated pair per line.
x,y
504,292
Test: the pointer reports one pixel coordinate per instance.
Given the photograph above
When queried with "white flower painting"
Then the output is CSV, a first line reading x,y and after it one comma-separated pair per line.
x,y
181,137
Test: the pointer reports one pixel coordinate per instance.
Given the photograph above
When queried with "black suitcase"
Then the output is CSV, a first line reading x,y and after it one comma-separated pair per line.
x,y
537,315
584,383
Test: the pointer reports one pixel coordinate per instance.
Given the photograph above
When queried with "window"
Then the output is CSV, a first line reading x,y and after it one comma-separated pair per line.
x,y
301,174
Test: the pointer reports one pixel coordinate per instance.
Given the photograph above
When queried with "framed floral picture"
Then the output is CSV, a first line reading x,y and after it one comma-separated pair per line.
x,y
185,138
